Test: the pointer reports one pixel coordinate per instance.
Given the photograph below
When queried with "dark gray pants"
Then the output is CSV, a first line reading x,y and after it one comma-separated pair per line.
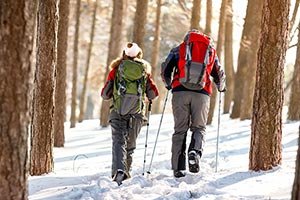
x,y
125,130
190,110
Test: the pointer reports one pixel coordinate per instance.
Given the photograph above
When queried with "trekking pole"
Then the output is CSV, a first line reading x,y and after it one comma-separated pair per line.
x,y
162,115
218,131
146,142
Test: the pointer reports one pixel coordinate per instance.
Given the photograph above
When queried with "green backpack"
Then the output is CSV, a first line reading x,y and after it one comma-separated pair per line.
x,y
129,87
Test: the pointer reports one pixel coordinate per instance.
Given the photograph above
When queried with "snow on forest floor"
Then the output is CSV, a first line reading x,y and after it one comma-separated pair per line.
x,y
82,167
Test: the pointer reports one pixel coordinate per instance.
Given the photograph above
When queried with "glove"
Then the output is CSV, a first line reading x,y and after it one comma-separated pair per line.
x,y
222,83
221,87
223,90
168,87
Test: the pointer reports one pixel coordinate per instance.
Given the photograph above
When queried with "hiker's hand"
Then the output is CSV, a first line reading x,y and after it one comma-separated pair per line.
x,y
147,100
168,87
220,89
221,84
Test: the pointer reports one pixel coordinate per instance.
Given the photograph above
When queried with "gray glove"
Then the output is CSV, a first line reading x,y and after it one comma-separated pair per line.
x,y
221,86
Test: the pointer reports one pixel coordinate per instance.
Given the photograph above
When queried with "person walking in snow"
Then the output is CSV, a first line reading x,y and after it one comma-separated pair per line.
x,y
128,82
191,63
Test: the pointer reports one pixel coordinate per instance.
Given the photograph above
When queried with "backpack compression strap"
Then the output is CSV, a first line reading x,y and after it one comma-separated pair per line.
x,y
188,53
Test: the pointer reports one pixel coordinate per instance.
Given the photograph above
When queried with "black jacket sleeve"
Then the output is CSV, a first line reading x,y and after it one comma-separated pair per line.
x,y
218,75
167,67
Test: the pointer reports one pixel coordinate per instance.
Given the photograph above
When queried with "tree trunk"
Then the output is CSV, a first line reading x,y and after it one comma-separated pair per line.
x,y
294,16
16,39
296,185
208,17
155,56
61,71
247,61
83,94
219,50
294,106
75,62
43,104
139,26
251,62
140,20
228,58
266,135
196,14
126,21
114,49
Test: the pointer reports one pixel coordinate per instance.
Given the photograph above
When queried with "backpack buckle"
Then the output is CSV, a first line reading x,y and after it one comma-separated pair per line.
x,y
121,90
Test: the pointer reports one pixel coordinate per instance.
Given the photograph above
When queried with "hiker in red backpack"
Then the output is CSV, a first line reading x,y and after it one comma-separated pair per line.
x,y
128,82
191,63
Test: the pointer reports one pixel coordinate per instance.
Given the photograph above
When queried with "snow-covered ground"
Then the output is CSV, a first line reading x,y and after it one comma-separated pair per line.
x,y
82,167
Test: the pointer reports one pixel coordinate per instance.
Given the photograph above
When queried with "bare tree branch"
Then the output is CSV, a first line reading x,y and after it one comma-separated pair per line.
x,y
182,5
294,45
294,15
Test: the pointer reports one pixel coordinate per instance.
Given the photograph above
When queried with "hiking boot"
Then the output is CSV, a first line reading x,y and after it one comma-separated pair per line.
x,y
178,173
119,177
194,159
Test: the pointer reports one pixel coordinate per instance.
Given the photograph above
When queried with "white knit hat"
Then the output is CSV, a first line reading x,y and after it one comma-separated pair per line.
x,y
132,49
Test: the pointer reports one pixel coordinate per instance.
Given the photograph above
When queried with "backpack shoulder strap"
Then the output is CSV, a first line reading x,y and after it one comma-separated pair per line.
x,y
188,56
207,53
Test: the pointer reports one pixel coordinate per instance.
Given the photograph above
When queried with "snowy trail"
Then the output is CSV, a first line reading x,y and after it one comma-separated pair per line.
x,y
88,177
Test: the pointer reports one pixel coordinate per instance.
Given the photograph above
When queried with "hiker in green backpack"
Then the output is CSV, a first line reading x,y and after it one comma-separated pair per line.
x,y
128,82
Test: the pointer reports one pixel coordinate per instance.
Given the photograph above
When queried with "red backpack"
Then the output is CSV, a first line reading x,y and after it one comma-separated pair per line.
x,y
194,57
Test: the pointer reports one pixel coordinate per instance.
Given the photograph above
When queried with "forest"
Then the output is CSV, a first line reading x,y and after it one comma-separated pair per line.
x,y
55,57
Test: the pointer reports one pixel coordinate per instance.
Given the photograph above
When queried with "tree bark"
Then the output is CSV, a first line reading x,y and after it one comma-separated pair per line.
x,y
140,20
196,14
126,22
294,105
296,185
228,58
89,54
16,39
61,71
247,61
208,17
113,51
251,61
42,138
266,129
155,56
75,63
219,50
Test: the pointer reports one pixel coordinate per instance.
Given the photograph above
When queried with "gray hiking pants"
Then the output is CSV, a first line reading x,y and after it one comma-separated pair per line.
x,y
190,110
125,130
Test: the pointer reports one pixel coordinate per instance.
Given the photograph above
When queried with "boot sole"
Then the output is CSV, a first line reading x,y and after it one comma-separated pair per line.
x,y
119,177
193,164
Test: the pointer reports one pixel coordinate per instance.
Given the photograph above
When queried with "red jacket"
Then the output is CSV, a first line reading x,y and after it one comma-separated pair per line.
x,y
170,65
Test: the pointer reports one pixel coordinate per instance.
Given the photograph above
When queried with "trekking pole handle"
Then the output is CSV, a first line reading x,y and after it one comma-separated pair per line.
x,y
149,111
149,106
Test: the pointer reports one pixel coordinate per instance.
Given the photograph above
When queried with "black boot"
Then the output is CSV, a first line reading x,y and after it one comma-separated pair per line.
x,y
194,160
178,173
119,177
